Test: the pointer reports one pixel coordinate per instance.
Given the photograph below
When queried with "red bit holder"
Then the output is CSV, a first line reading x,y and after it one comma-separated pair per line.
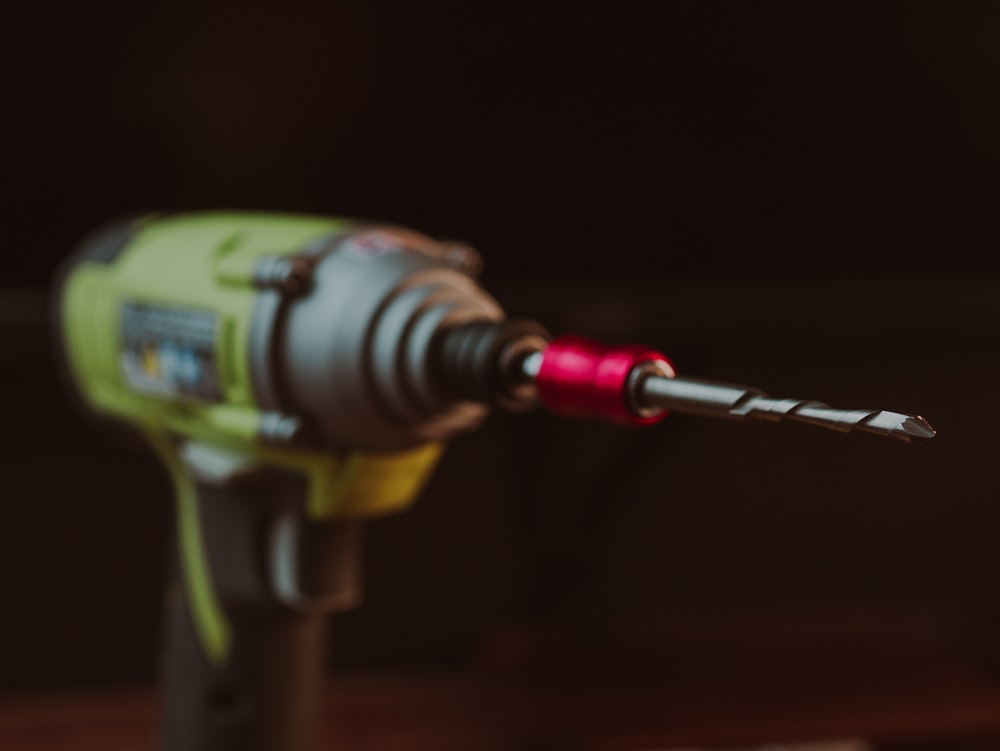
x,y
579,377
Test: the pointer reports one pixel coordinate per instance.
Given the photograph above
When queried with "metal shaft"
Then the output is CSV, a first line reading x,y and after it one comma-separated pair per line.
x,y
734,402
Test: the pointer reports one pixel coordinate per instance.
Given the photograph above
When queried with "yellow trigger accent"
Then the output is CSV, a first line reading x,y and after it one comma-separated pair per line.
x,y
363,485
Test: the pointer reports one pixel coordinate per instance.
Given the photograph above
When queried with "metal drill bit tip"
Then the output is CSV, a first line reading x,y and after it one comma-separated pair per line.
x,y
735,402
911,429
908,428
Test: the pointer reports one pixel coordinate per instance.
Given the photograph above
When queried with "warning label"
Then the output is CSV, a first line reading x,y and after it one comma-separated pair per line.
x,y
169,351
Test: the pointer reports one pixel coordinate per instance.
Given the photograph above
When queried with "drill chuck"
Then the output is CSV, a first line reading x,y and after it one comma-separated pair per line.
x,y
483,361
579,377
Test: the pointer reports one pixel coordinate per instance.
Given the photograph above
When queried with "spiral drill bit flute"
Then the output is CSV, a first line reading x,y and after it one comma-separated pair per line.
x,y
297,375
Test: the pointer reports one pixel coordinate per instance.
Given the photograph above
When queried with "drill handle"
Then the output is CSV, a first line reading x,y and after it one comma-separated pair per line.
x,y
245,632
264,696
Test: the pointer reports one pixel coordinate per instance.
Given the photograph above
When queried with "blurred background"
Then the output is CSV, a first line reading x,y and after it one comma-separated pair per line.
x,y
799,196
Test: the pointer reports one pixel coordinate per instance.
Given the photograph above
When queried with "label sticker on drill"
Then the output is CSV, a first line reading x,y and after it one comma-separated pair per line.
x,y
168,351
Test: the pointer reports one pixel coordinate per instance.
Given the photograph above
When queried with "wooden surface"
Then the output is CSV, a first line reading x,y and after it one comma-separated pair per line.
x,y
646,685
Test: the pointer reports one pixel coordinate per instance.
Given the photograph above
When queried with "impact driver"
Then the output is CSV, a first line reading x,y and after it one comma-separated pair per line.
x,y
298,375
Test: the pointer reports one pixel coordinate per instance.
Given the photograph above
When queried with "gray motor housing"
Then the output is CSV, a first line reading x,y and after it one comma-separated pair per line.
x,y
349,354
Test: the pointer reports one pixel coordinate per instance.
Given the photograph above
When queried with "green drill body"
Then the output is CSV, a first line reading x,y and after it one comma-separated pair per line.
x,y
203,266
182,326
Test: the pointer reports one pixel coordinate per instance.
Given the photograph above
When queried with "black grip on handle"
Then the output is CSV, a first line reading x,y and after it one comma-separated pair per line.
x,y
262,694
263,698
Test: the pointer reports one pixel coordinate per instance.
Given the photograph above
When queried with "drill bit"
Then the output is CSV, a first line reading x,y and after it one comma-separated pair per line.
x,y
635,385
731,401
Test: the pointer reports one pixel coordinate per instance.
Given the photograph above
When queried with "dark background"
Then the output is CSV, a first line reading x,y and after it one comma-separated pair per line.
x,y
703,138
802,196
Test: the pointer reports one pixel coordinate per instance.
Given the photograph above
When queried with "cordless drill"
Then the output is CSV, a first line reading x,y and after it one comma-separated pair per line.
x,y
298,375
